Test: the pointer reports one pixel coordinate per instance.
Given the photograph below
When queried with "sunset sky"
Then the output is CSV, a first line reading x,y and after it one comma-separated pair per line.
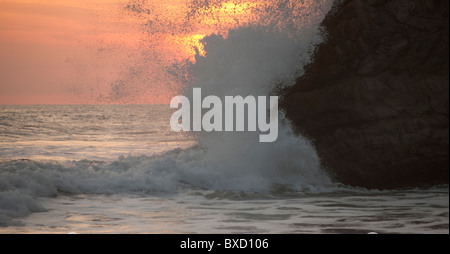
x,y
107,51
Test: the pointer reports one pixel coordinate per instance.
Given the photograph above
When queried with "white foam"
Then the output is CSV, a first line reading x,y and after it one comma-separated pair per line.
x,y
254,60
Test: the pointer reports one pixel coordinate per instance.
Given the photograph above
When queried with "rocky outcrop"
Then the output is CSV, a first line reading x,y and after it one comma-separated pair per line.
x,y
375,100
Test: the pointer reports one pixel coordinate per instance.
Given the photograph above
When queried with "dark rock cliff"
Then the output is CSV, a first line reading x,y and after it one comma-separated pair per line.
x,y
375,100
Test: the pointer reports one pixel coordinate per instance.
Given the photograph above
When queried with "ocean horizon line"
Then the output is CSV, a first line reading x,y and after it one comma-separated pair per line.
x,y
87,104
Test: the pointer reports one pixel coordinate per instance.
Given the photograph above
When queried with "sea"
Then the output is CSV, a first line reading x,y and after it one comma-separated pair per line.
x,y
121,169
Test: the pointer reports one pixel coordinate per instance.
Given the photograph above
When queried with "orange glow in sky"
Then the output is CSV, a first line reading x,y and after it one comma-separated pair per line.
x,y
107,51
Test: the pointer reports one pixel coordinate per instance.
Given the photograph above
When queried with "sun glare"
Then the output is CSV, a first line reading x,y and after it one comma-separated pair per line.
x,y
188,45
184,37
